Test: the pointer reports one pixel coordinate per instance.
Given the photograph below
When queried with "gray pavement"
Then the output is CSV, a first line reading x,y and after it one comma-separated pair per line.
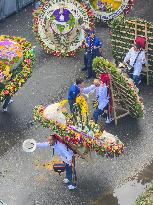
x,y
22,182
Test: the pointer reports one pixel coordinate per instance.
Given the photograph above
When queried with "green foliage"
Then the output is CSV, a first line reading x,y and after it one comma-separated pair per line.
x,y
101,65
146,198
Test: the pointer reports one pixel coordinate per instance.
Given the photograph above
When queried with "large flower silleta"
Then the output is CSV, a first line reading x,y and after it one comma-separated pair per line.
x,y
16,60
59,26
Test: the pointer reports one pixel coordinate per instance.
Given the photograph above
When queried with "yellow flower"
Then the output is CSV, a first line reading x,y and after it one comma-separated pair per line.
x,y
83,104
63,102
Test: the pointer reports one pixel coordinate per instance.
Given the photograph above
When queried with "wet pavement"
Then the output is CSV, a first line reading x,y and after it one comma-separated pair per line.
x,y
24,181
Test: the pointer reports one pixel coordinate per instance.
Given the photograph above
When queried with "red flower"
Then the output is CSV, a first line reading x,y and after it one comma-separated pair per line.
x,y
6,92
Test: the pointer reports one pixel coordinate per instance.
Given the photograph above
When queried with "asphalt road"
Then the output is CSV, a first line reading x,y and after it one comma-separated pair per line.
x,y
23,179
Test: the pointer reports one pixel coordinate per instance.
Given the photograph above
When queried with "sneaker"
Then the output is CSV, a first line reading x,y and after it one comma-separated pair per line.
x,y
71,187
66,181
4,110
10,101
109,120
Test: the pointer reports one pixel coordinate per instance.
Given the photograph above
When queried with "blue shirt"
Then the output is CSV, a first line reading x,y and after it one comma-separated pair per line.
x,y
73,92
93,42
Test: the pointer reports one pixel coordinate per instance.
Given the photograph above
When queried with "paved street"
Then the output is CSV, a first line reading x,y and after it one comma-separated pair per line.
x,y
23,178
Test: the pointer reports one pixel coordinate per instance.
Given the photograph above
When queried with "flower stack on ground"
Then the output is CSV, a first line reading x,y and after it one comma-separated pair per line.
x,y
16,60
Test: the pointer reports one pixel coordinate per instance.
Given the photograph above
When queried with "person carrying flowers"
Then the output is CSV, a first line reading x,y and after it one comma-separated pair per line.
x,y
102,99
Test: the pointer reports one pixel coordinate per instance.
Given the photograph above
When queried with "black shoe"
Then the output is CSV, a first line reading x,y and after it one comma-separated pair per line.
x,y
84,69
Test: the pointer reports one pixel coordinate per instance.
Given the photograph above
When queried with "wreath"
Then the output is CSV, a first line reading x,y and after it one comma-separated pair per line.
x,y
16,60
59,26
109,9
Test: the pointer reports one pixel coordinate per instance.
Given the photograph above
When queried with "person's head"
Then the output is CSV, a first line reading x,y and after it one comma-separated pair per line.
x,y
80,82
92,34
97,82
137,47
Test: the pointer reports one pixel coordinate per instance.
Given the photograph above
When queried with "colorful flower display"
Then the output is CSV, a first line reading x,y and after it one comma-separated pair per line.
x,y
16,60
109,9
90,137
125,85
59,25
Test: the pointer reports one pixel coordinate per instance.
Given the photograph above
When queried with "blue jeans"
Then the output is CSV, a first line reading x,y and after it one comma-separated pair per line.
x,y
69,173
136,80
6,102
99,112
96,114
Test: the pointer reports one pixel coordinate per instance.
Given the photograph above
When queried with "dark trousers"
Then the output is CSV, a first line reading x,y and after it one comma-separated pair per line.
x,y
85,61
6,101
89,64
69,173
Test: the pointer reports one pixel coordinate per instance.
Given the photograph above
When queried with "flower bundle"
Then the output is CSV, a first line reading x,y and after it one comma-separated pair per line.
x,y
16,78
126,86
61,35
104,144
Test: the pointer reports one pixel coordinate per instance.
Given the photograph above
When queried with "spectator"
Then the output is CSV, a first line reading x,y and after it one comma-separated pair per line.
x,y
93,46
135,58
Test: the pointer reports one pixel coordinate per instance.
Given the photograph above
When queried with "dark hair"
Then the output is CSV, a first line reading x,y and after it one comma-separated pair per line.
x,y
138,46
79,81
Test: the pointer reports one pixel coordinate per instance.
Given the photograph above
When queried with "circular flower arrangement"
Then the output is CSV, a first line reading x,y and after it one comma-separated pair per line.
x,y
59,26
109,9
16,59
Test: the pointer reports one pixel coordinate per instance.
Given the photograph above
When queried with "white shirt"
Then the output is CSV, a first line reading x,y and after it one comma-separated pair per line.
x,y
102,95
64,153
131,56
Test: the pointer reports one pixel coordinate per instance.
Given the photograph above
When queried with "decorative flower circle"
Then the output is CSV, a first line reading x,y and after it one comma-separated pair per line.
x,y
109,9
16,59
59,26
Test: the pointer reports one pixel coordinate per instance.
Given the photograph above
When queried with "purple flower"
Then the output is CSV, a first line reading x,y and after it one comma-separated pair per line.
x,y
66,14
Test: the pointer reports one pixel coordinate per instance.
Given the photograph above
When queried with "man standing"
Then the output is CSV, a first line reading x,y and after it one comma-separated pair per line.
x,y
135,58
85,46
93,46
102,98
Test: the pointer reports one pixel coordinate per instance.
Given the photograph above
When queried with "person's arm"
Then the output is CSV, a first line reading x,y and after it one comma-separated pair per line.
x,y
144,61
127,57
98,44
88,89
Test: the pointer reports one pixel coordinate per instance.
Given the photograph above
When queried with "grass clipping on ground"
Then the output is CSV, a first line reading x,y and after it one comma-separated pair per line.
x,y
146,198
